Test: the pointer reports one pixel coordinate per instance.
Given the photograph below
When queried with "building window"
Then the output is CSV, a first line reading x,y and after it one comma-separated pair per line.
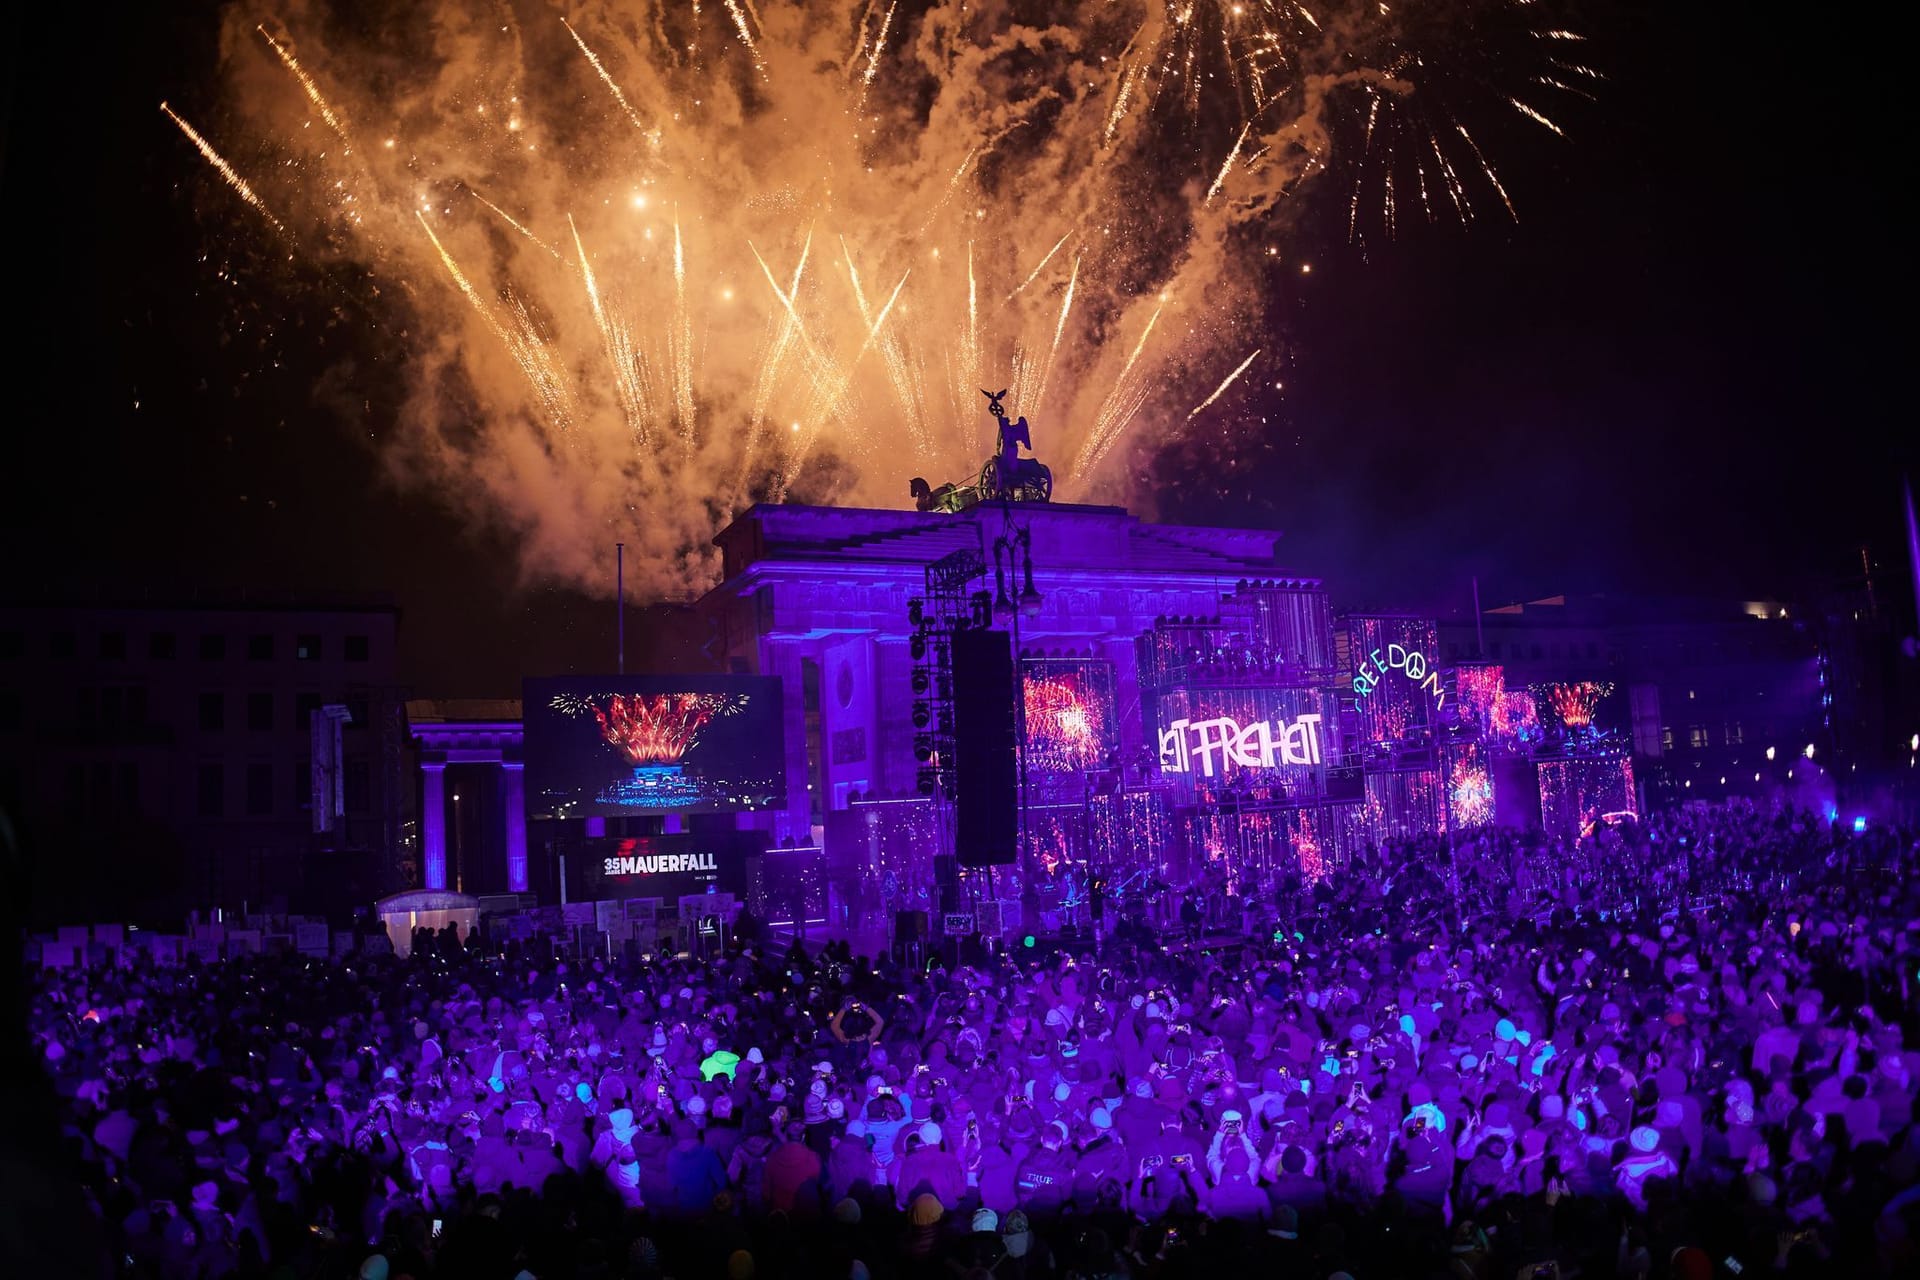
x,y
357,713
260,712
1735,733
1593,651
60,644
1536,653
1553,650
13,645
307,648
1697,735
1666,737
113,644
76,790
304,705
86,704
303,784
259,789
212,788
358,782
356,648
113,704
126,787
12,710
137,704
213,648
260,649
213,712
160,646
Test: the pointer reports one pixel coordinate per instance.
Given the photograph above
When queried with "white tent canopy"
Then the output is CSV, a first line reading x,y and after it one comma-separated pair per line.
x,y
425,908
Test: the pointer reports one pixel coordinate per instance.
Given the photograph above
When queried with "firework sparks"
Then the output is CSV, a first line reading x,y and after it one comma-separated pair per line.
x,y
606,77
1220,179
628,381
1227,382
522,341
225,170
1121,404
654,728
641,352
1535,116
1574,702
682,340
1487,169
1031,275
746,36
1059,327
327,113
1471,793
513,222
873,58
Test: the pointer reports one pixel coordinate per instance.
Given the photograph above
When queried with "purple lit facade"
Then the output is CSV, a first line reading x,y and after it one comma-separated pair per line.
x,y
481,743
1195,716
819,597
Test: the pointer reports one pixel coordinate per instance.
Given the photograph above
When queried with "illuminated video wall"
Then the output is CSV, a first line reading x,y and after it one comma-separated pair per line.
x,y
612,746
1210,739
1395,673
1579,791
1072,724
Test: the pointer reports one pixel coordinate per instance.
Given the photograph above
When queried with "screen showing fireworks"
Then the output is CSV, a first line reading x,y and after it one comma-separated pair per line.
x,y
1071,722
617,746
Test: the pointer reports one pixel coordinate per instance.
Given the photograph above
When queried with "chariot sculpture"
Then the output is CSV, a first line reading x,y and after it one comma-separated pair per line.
x,y
1004,477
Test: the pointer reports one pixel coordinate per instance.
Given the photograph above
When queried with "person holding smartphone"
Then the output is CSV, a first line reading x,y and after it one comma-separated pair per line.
x,y
1230,1136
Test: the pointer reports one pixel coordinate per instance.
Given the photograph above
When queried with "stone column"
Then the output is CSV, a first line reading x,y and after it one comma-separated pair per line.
x,y
513,785
433,823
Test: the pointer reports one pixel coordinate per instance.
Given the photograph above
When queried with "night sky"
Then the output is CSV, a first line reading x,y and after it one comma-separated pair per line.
x,y
1674,374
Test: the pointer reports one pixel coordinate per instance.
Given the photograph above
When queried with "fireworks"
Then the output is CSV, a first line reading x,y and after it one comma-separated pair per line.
x,y
652,728
676,151
1470,792
1507,717
225,170
1574,702
1067,725
1227,382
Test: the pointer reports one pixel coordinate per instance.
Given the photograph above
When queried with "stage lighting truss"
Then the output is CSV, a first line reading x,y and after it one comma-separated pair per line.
x,y
950,605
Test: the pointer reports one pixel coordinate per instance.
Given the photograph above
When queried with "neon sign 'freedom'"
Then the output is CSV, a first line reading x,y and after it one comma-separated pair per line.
x,y
1400,658
1259,745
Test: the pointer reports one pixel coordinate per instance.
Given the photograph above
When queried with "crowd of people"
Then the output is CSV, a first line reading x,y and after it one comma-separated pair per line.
x,y
1427,1066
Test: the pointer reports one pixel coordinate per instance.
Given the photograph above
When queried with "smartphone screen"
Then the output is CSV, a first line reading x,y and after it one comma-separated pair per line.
x,y
437,1223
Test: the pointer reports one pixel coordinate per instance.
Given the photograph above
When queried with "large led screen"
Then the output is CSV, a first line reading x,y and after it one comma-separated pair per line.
x,y
618,746
1211,737
1072,725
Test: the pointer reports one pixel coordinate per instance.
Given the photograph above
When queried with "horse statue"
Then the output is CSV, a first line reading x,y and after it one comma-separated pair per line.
x,y
948,497
1007,474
